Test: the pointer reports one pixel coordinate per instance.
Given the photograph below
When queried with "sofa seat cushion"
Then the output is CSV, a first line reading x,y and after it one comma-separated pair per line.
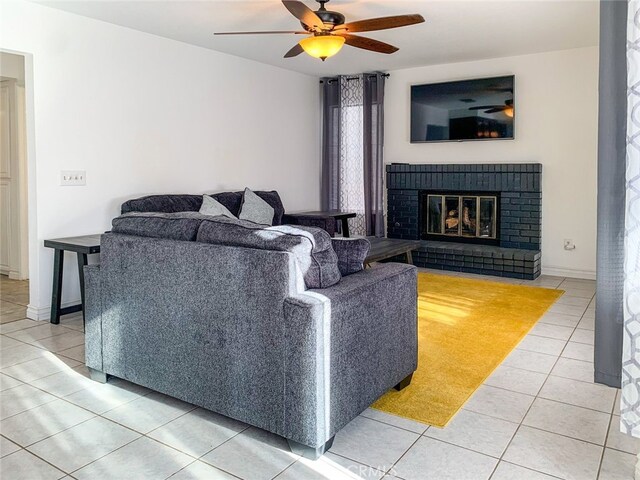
x,y
310,246
351,254
173,226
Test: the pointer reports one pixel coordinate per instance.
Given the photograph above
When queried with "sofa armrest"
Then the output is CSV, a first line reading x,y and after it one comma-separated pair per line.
x,y
328,224
347,345
93,317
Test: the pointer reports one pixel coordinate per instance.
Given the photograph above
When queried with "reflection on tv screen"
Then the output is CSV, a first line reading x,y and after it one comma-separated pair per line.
x,y
481,109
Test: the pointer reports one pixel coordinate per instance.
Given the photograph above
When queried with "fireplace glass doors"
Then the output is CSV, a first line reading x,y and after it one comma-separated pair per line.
x,y
460,216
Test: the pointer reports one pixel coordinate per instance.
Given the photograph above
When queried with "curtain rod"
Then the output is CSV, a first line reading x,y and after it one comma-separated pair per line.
x,y
331,80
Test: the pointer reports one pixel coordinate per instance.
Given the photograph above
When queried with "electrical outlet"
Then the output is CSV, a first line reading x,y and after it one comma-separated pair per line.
x,y
568,244
73,178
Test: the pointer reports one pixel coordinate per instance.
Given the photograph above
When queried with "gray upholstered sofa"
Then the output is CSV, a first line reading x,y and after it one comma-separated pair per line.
x,y
219,313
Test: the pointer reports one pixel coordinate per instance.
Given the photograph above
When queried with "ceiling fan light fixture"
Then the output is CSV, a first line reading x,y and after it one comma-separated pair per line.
x,y
509,112
322,46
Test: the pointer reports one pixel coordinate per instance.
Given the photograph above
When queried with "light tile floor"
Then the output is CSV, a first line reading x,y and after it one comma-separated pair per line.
x,y
539,416
14,299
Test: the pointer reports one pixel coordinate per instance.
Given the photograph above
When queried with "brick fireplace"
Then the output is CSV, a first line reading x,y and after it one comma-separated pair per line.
x,y
477,218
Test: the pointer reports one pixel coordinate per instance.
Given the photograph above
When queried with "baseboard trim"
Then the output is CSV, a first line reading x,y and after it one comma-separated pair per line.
x,y
44,313
12,274
569,272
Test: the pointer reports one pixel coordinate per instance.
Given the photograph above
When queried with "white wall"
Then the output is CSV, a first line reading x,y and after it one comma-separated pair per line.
x,y
143,114
556,98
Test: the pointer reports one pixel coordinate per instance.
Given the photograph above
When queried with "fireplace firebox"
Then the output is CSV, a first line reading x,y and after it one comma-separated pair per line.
x,y
460,216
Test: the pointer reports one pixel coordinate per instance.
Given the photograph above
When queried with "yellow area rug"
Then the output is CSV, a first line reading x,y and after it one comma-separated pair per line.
x,y
466,328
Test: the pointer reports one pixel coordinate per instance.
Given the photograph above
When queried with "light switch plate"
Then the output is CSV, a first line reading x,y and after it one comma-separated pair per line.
x,y
73,178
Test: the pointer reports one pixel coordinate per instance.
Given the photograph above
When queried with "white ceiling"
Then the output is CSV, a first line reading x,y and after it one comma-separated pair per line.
x,y
454,31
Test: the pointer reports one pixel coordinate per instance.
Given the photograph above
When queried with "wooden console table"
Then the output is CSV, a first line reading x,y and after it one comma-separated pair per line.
x,y
83,246
384,248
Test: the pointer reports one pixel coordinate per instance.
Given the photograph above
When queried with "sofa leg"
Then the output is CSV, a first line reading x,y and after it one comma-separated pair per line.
x,y
310,452
97,375
404,383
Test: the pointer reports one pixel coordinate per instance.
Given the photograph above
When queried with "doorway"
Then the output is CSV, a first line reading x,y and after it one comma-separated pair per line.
x,y
14,242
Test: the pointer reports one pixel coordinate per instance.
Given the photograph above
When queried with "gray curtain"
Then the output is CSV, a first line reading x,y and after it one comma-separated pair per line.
x,y
612,124
352,149
373,155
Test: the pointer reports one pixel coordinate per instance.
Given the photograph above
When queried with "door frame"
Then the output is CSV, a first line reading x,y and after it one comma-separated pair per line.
x,y
15,178
29,198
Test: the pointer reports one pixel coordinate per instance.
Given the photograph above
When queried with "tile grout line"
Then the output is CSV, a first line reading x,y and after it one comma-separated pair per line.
x,y
38,457
141,435
525,468
58,397
427,426
520,423
537,395
394,464
8,334
605,447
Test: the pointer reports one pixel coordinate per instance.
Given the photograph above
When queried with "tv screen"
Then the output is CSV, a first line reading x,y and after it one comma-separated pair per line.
x,y
481,109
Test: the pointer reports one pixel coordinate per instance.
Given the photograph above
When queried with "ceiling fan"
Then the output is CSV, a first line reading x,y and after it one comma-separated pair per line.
x,y
328,31
507,108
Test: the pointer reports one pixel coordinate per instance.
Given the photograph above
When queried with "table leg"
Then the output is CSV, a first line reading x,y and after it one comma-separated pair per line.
x,y
409,257
82,262
56,293
345,227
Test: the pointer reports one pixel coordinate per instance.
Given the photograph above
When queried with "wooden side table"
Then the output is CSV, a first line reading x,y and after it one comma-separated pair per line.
x,y
83,246
342,217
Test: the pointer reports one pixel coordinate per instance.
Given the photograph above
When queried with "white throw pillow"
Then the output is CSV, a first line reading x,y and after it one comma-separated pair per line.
x,y
255,209
210,206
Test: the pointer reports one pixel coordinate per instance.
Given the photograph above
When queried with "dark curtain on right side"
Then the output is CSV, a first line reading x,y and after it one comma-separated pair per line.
x,y
373,126
612,130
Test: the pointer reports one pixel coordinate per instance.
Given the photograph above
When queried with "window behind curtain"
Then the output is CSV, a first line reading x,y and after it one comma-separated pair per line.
x,y
351,152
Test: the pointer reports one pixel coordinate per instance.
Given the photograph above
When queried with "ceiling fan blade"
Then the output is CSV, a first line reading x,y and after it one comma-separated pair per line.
x,y
294,52
486,106
262,33
495,110
304,14
368,43
381,23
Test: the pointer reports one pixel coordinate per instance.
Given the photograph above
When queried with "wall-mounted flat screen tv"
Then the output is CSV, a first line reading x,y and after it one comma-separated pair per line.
x,y
481,109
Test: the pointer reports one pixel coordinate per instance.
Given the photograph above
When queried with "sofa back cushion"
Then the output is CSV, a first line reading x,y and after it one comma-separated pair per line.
x,y
233,201
210,206
173,226
191,203
255,209
310,246
163,204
